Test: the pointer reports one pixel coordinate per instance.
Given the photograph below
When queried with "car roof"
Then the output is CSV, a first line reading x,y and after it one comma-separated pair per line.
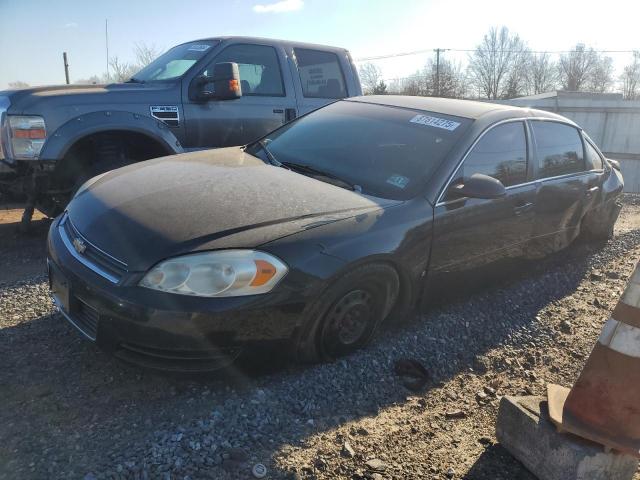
x,y
459,108
273,41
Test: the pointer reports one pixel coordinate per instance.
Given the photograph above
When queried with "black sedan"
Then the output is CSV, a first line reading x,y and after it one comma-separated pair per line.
x,y
309,238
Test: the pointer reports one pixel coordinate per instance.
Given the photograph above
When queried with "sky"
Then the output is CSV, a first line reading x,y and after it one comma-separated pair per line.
x,y
34,33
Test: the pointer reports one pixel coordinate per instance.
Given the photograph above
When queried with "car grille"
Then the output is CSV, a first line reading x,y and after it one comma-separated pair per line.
x,y
86,318
89,255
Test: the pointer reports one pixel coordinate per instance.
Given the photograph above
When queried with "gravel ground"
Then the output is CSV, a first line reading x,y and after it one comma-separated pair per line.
x,y
70,411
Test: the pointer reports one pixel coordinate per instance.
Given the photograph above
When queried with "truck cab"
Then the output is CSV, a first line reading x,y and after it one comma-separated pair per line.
x,y
54,138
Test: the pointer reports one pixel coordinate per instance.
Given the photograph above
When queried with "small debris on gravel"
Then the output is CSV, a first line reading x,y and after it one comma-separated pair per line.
x,y
413,375
259,470
376,464
347,450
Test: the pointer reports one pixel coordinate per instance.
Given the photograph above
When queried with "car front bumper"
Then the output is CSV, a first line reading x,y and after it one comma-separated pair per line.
x,y
167,331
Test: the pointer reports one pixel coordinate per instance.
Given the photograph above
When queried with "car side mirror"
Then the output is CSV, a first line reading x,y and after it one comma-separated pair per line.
x,y
479,185
224,84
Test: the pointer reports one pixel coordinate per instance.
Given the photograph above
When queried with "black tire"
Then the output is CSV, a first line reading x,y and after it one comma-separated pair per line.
x,y
347,314
52,206
597,226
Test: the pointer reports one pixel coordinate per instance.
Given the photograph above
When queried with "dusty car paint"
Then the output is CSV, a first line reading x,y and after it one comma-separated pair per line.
x,y
229,199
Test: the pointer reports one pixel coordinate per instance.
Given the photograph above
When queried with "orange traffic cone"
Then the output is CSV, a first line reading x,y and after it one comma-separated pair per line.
x,y
604,404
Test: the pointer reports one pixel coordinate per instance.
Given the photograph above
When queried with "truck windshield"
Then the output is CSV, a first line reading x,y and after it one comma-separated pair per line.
x,y
386,152
175,62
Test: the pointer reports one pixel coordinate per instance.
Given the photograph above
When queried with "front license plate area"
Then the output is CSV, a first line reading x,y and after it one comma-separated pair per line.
x,y
59,287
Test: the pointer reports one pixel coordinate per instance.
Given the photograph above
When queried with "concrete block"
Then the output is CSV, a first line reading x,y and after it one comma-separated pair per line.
x,y
525,430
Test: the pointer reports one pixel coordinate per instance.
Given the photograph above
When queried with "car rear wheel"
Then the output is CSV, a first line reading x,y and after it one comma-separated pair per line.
x,y
597,225
346,315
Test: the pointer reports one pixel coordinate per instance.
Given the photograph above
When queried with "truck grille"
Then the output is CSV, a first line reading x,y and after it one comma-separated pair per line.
x,y
89,255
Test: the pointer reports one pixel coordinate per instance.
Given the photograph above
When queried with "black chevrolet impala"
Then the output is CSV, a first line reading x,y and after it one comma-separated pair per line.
x,y
310,237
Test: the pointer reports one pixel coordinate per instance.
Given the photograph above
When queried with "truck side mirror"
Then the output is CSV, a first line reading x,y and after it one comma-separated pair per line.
x,y
224,84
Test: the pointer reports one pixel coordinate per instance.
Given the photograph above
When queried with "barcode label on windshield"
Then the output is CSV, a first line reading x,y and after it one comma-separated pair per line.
x,y
435,122
199,48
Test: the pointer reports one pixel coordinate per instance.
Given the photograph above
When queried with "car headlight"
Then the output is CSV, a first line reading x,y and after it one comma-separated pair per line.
x,y
88,183
27,134
222,273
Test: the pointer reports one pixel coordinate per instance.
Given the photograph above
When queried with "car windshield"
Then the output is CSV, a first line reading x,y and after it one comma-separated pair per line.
x,y
386,152
175,62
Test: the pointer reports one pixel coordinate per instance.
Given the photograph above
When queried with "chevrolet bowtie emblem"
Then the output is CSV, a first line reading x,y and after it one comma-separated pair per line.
x,y
79,245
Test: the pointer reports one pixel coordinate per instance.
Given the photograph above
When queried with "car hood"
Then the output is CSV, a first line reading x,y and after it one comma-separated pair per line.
x,y
224,198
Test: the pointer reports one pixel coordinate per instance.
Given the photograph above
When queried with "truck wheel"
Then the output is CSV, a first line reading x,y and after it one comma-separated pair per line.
x,y
54,205
345,317
49,206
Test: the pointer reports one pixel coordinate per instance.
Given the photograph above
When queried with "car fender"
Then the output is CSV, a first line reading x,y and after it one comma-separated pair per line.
x,y
59,142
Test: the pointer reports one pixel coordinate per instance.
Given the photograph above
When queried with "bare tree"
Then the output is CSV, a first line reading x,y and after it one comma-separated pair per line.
x,y
18,84
145,54
92,80
601,78
445,80
542,73
630,78
413,85
517,80
370,77
576,67
121,71
495,62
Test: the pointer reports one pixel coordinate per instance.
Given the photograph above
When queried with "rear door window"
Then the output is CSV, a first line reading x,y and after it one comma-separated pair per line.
x,y
258,66
559,147
593,160
320,74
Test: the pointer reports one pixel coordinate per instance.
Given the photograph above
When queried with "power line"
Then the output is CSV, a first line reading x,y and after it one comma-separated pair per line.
x,y
431,50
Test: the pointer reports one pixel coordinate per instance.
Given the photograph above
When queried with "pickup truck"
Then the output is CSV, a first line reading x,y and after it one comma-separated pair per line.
x,y
52,139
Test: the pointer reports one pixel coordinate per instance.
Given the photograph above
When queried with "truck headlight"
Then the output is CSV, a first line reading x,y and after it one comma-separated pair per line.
x,y
4,106
223,273
27,134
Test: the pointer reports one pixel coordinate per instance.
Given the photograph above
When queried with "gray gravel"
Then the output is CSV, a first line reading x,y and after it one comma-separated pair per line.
x,y
70,411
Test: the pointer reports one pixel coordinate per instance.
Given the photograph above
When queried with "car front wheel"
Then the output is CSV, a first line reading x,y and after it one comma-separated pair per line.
x,y
346,315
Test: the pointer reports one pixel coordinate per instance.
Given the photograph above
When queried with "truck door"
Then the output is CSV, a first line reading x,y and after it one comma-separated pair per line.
x,y
267,100
321,78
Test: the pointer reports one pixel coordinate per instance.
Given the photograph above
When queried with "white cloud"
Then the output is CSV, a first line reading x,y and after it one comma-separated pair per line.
x,y
71,25
279,7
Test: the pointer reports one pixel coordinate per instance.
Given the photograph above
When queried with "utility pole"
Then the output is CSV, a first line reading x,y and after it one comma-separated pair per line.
x,y
66,67
438,50
106,42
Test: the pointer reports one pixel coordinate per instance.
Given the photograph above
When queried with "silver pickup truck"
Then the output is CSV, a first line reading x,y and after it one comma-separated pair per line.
x,y
53,138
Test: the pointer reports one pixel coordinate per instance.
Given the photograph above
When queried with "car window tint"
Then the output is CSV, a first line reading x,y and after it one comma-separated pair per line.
x,y
389,152
559,149
501,153
258,66
593,159
320,74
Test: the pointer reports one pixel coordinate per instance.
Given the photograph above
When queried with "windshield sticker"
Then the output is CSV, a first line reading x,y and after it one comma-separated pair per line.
x,y
399,181
199,48
435,122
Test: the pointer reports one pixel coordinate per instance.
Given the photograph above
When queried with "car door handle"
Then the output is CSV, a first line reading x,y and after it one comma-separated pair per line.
x,y
520,209
592,191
